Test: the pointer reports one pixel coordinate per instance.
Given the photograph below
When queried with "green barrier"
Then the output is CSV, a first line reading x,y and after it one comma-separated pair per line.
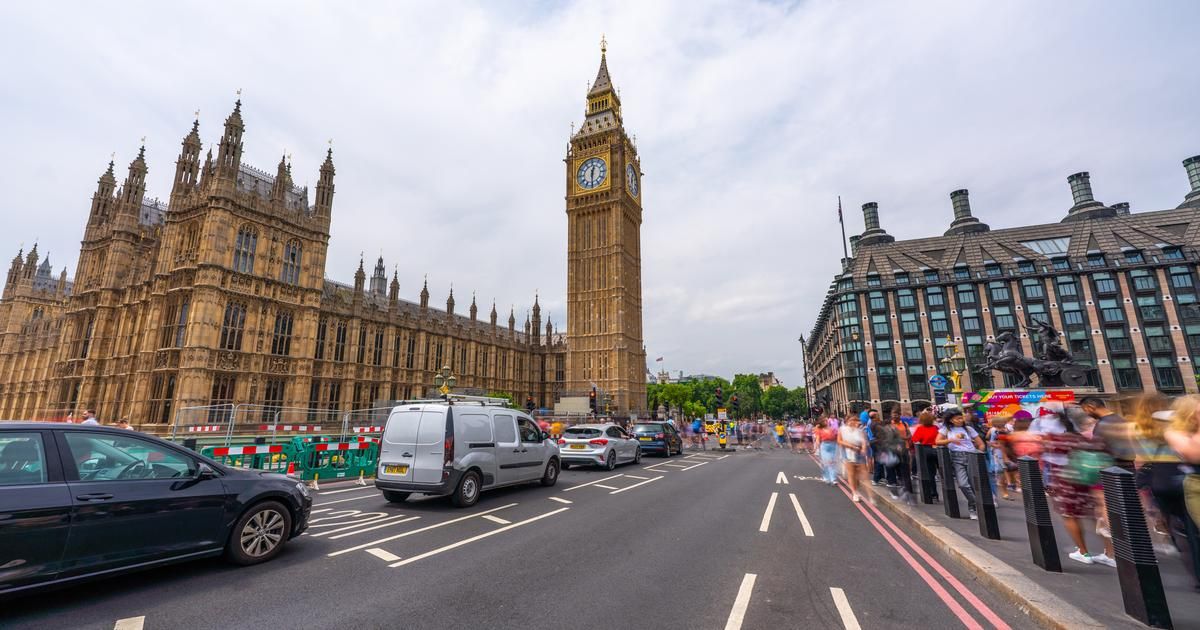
x,y
324,460
268,457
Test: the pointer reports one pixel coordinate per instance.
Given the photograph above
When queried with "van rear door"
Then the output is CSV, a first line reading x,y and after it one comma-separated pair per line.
x,y
398,455
434,435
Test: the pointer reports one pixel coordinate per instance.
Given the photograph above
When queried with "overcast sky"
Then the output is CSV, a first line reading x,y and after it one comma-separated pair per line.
x,y
450,123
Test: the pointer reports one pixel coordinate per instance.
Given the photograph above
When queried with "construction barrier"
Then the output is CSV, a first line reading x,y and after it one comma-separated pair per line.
x,y
337,460
268,457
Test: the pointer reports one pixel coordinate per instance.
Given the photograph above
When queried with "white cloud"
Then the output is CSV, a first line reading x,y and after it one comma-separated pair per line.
x,y
450,123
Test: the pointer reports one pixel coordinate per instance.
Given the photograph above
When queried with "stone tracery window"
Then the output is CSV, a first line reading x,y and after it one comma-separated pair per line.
x,y
243,251
291,263
232,326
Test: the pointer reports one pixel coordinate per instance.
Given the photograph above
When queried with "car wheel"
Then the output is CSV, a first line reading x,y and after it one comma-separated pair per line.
x,y
467,492
610,460
637,456
550,477
394,496
259,534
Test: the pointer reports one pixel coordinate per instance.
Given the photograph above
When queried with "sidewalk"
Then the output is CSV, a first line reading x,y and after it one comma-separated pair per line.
x,y
1079,597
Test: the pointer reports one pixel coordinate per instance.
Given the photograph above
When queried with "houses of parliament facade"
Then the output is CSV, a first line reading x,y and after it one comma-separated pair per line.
x,y
219,297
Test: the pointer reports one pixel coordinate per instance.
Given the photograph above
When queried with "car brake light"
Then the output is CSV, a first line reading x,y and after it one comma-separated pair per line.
x,y
659,436
598,442
561,441
448,451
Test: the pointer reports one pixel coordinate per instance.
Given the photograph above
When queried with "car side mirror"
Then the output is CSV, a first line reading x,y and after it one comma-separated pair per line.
x,y
545,436
206,472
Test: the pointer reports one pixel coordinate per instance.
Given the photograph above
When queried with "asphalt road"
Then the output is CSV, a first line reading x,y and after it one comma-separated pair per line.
x,y
699,541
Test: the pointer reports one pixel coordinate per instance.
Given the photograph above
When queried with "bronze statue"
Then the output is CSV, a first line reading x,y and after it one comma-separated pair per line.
x,y
1055,367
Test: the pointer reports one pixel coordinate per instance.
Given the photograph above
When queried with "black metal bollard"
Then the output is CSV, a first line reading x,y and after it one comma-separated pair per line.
x,y
1137,568
1037,516
949,492
925,474
985,501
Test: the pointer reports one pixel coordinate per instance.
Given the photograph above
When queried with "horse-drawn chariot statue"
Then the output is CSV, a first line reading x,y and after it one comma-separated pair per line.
x,y
1054,366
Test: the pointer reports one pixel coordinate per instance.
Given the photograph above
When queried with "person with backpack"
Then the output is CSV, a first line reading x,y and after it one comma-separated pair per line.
x,y
1072,484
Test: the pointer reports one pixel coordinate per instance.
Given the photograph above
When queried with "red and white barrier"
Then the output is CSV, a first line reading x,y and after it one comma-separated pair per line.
x,y
299,428
368,429
372,440
341,446
247,450
205,428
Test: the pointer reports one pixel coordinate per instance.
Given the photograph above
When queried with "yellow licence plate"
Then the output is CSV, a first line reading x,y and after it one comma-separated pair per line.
x,y
579,446
396,469
645,439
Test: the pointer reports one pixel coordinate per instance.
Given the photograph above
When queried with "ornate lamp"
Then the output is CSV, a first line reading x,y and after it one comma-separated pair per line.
x,y
444,380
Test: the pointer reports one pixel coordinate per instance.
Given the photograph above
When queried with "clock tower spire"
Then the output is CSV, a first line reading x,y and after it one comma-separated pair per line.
x,y
604,275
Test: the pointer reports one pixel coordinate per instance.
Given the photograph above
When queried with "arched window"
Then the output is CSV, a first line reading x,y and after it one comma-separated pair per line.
x,y
291,263
281,343
232,326
243,251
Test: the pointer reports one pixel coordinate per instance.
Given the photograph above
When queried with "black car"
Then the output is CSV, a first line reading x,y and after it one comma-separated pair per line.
x,y
80,502
658,437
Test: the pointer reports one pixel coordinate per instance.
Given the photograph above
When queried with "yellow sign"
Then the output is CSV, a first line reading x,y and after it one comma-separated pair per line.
x,y
444,389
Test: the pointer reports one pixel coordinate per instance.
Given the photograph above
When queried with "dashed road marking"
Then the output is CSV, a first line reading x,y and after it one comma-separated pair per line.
x,y
679,465
766,520
374,543
600,485
635,477
383,555
130,623
640,483
808,531
475,538
582,485
694,466
560,500
741,602
843,606
374,527
496,519
374,520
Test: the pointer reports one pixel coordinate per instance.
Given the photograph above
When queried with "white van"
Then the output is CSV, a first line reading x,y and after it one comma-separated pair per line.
x,y
461,447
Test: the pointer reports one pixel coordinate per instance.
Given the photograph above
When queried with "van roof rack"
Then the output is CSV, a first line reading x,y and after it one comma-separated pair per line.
x,y
483,401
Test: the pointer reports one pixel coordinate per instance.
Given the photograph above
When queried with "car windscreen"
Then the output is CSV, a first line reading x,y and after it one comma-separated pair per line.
x,y
648,428
581,433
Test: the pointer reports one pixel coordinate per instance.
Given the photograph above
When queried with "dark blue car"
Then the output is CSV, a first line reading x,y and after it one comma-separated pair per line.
x,y
658,437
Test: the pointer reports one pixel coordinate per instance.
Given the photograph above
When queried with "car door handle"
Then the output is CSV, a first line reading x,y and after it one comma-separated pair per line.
x,y
405,454
95,496
516,450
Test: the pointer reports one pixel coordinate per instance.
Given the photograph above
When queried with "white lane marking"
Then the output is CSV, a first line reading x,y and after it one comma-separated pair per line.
x,y
374,543
843,606
635,477
496,519
681,465
694,466
656,470
590,483
365,496
320,510
640,483
781,478
800,514
600,485
374,527
334,515
130,623
766,522
738,613
371,521
475,538
723,457
321,494
383,555
560,500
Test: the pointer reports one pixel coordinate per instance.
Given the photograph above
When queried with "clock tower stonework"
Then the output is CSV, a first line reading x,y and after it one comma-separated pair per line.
x,y
604,255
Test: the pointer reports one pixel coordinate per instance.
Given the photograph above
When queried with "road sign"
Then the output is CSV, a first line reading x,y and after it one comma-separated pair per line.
x,y
721,415
937,381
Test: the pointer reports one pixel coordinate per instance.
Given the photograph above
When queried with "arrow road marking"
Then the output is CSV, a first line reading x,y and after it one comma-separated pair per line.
x,y
781,478
766,522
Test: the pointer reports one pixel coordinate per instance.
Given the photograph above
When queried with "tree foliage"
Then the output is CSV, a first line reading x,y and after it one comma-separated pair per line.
x,y
700,397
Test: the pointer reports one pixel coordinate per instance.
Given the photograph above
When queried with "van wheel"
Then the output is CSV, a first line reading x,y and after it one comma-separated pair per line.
x,y
394,496
467,493
259,534
551,476
610,461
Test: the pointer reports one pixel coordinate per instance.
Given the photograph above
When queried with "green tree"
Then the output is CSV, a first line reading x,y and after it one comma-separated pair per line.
x,y
749,394
797,402
775,401
505,395
693,409
675,395
705,393
653,395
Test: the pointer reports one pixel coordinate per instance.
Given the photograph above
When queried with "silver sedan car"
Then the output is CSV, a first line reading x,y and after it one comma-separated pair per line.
x,y
598,444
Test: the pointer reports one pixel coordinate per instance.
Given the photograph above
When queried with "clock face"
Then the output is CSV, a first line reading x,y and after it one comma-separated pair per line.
x,y
631,179
591,173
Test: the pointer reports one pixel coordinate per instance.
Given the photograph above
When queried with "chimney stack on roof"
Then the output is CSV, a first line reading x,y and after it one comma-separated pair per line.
x,y
1086,207
1122,208
964,222
1192,165
873,234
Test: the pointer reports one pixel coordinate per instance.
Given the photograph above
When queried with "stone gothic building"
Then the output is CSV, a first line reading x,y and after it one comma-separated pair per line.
x,y
218,296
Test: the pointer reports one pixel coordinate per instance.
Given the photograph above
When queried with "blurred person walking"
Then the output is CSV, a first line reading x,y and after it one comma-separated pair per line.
x,y
826,438
926,434
1071,485
1115,432
962,441
1004,470
1161,475
853,441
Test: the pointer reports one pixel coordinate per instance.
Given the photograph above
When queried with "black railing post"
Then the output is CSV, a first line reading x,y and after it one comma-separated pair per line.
x,y
925,474
1137,568
949,492
985,501
1037,516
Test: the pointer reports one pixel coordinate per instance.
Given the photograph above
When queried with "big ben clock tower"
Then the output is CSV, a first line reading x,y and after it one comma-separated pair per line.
x,y
604,254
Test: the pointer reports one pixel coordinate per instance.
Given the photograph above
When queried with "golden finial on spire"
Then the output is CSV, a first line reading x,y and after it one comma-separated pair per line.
x,y
603,44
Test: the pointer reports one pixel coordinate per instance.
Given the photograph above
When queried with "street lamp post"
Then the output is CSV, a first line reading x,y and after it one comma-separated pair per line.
x,y
804,362
954,365
444,381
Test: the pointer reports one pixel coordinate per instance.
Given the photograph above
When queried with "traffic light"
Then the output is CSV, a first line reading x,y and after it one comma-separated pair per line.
x,y
720,397
592,400
734,401
529,403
